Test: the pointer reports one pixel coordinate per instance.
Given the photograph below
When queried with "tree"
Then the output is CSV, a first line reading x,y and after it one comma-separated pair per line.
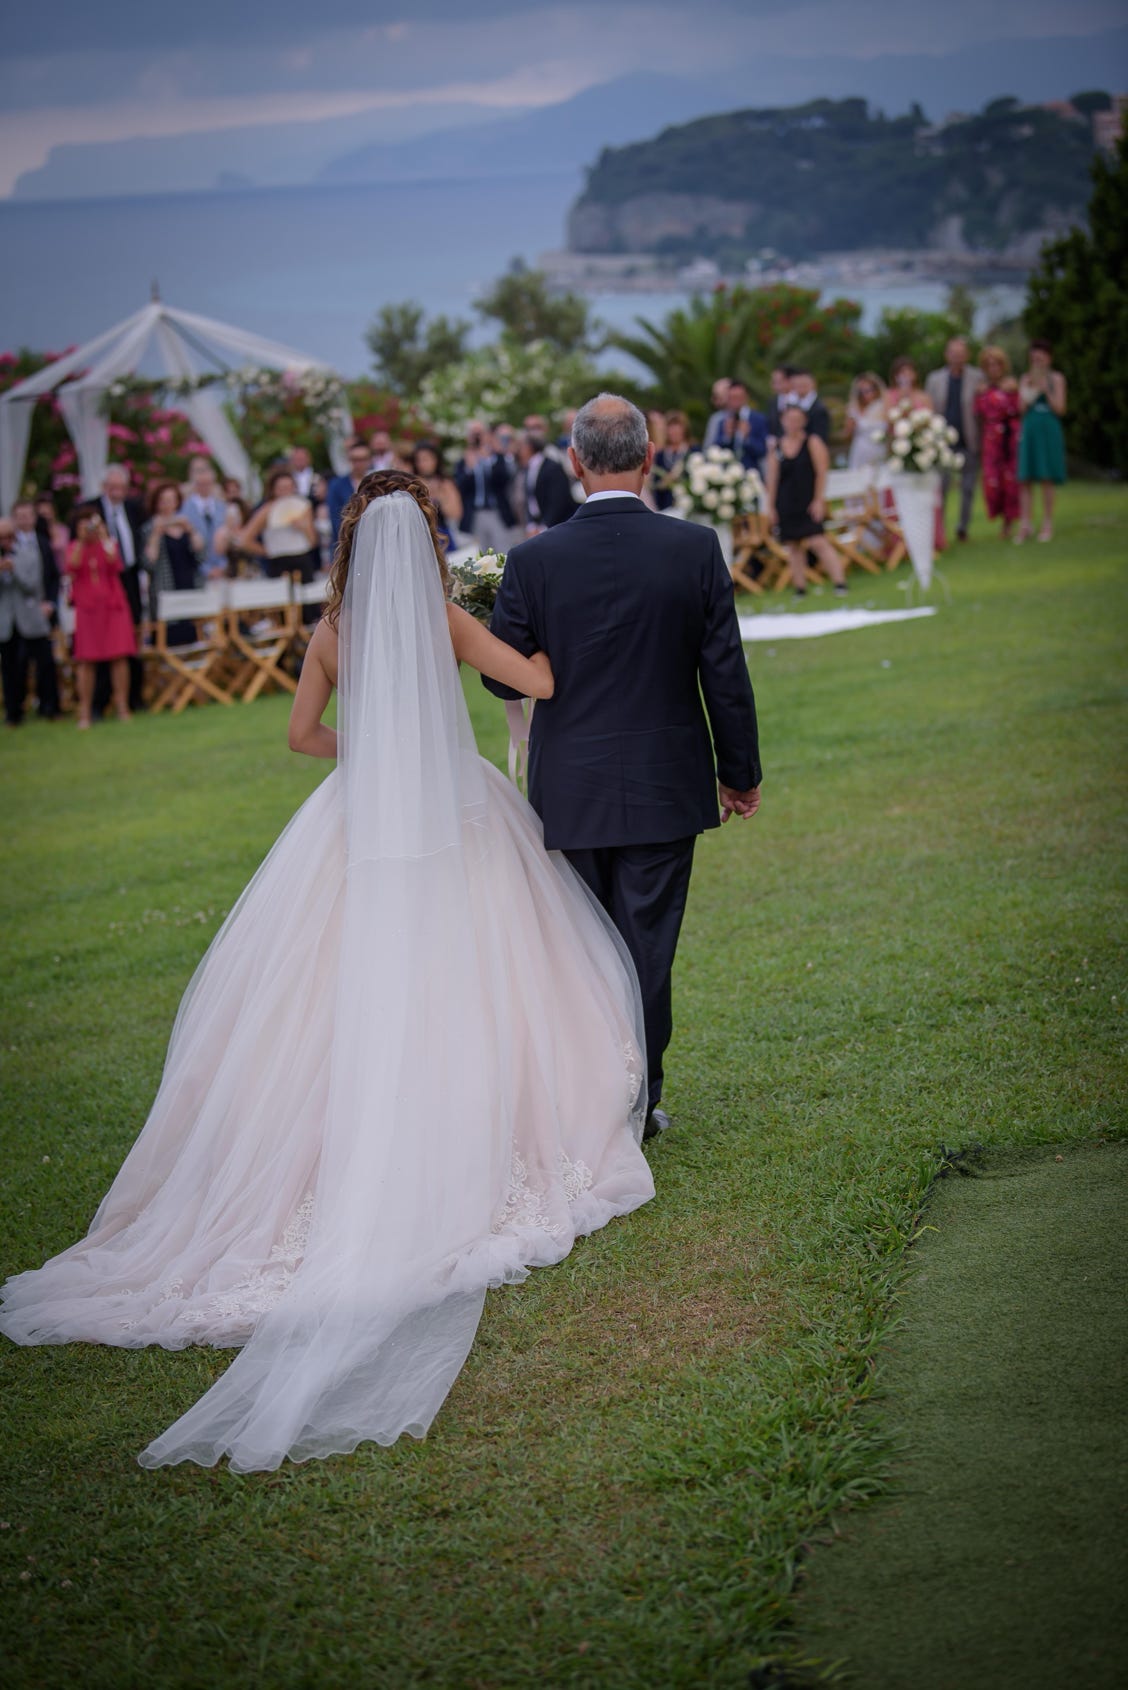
x,y
922,336
1092,100
406,349
743,332
1076,300
522,302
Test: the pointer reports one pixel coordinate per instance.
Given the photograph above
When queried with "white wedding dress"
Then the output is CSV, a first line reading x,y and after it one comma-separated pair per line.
x,y
407,1069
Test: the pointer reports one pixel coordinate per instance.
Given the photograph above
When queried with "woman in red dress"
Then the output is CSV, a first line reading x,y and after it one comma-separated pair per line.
x,y
996,406
103,626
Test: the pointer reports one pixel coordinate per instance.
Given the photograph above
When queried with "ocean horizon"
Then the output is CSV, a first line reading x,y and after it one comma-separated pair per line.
x,y
311,266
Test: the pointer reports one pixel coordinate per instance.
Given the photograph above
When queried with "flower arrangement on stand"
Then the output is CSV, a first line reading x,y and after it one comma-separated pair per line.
x,y
715,488
921,446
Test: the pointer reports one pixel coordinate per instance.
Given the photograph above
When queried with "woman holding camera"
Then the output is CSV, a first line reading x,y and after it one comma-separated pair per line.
x,y
103,624
173,549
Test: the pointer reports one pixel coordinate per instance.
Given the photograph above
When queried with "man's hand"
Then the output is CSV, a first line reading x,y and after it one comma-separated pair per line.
x,y
738,803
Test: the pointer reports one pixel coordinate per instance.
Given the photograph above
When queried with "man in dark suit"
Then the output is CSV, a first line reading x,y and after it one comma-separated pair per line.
x,y
484,477
548,491
740,428
342,487
124,518
806,396
636,612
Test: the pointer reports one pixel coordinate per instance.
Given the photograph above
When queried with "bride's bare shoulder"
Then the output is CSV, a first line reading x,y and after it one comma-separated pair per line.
x,y
323,648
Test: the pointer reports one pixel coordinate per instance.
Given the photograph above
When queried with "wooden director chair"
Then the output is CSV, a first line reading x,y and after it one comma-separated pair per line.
x,y
189,674
851,503
260,633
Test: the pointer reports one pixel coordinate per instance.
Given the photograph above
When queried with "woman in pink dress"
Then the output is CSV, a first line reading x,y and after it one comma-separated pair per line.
x,y
996,406
103,626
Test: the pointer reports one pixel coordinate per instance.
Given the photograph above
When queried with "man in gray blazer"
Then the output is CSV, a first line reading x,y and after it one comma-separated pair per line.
x,y
25,633
952,391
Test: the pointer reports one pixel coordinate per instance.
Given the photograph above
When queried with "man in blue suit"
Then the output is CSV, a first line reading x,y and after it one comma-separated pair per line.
x,y
653,719
342,487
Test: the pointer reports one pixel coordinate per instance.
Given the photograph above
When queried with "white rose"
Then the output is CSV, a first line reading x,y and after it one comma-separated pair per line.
x,y
878,434
715,455
902,429
920,415
726,513
953,435
710,500
927,458
901,448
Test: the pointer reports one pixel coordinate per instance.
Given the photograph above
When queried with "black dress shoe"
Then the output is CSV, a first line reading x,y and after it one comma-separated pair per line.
x,y
656,1122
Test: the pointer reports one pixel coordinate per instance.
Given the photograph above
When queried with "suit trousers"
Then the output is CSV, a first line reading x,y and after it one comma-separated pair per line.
x,y
643,888
14,676
969,475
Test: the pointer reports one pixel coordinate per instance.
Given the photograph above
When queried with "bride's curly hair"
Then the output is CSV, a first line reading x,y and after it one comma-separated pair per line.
x,y
377,486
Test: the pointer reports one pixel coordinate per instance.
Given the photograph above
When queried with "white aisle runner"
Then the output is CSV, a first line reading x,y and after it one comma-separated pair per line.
x,y
808,625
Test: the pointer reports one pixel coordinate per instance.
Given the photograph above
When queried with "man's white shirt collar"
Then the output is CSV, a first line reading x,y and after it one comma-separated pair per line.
x,y
612,493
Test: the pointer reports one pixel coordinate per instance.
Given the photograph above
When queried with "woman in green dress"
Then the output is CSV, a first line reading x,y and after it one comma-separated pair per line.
x,y
1041,452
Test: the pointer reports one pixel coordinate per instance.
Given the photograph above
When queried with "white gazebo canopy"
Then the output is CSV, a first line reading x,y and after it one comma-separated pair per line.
x,y
157,342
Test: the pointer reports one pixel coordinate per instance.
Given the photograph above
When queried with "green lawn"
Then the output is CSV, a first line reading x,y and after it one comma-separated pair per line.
x,y
918,941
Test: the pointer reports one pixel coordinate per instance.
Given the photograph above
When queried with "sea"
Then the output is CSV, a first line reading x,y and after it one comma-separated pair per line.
x,y
311,266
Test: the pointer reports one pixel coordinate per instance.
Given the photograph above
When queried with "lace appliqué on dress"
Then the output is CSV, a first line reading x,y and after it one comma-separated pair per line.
x,y
254,1294
526,1205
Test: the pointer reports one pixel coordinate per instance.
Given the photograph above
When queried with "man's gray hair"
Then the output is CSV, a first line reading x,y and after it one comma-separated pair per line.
x,y
609,435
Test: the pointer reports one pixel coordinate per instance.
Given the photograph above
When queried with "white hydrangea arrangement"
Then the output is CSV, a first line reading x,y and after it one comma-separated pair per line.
x,y
919,440
714,484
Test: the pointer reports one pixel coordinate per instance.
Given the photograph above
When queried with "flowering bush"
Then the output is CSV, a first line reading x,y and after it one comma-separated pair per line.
x,y
504,380
919,440
714,484
475,583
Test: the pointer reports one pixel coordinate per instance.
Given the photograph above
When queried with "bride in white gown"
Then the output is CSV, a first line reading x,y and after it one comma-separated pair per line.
x,y
407,1069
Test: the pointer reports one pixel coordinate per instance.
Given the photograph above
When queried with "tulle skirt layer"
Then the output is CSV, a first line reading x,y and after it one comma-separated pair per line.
x,y
392,1083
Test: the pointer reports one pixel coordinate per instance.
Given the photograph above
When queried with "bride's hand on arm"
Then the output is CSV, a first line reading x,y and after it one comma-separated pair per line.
x,y
474,644
308,732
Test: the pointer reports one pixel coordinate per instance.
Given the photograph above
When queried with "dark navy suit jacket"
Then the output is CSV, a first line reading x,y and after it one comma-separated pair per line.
x,y
636,613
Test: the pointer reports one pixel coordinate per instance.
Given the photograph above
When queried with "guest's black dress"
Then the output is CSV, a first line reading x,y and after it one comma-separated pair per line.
x,y
794,493
176,570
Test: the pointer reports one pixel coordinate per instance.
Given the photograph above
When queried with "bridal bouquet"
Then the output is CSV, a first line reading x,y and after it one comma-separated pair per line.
x,y
919,440
715,485
475,583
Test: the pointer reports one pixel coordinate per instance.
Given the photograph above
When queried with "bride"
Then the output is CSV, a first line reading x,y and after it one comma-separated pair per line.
x,y
407,1069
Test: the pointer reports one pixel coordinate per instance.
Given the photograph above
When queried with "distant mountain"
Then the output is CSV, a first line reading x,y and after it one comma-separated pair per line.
x,y
834,175
418,142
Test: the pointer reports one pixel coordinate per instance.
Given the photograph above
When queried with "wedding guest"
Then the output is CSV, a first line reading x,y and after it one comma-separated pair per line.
x,y
281,531
238,563
997,413
300,462
904,383
1042,399
342,487
483,477
204,509
796,498
564,438
739,427
45,537
124,517
322,525
780,380
232,487
26,607
103,620
718,394
806,396
174,551
865,417
427,464
952,391
383,453
548,491
669,460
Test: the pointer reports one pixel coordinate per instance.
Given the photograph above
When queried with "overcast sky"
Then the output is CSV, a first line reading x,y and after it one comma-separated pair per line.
x,y
134,68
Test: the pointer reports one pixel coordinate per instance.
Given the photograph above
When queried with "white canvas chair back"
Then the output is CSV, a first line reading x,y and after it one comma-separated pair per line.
x,y
190,604
311,592
848,483
259,595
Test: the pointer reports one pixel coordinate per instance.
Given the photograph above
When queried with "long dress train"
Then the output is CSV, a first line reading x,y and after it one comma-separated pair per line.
x,y
408,1068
